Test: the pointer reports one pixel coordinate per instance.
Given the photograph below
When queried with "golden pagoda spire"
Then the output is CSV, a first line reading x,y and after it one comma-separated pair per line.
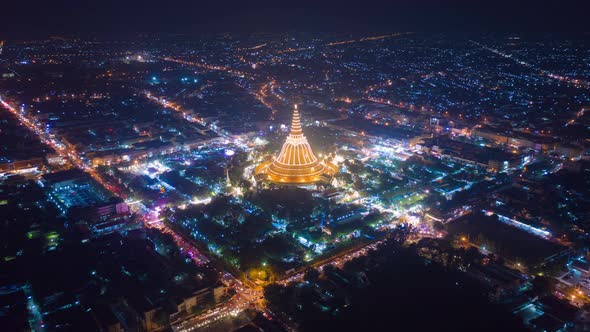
x,y
296,164
296,124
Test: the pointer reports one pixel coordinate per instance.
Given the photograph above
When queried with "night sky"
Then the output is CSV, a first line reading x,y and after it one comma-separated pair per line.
x,y
77,17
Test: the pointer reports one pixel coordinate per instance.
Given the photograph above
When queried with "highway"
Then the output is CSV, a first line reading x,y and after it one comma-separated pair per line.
x,y
344,42
573,81
338,260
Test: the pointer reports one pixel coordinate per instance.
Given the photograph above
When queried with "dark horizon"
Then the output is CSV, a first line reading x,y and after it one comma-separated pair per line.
x,y
123,18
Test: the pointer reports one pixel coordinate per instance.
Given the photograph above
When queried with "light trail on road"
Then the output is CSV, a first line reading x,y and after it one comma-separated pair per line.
x,y
576,82
150,218
344,42
251,48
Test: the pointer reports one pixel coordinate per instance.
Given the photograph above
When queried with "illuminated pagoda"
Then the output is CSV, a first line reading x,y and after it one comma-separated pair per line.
x,y
296,164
